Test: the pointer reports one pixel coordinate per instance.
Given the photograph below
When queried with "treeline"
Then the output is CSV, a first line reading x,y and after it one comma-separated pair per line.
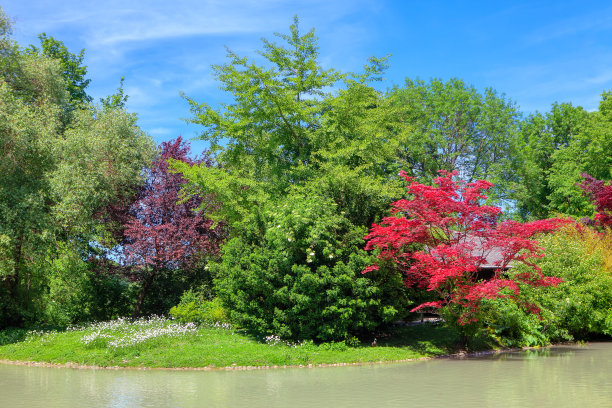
x,y
267,229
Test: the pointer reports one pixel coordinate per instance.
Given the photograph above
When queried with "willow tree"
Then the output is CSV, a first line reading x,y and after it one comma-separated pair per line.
x,y
54,179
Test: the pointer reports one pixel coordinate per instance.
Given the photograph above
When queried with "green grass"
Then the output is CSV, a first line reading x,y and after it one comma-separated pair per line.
x,y
163,343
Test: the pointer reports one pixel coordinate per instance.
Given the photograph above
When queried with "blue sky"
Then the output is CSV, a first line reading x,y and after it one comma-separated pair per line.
x,y
536,52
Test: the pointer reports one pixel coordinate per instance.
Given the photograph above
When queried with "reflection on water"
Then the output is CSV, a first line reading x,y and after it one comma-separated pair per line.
x,y
571,376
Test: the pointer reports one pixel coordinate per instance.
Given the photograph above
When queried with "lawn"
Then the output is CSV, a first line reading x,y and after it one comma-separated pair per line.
x,y
158,342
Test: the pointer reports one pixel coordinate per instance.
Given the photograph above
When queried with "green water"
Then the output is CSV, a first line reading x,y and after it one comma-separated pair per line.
x,y
567,376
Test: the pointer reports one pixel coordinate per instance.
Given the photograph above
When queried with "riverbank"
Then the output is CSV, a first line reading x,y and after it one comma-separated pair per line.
x,y
163,344
459,355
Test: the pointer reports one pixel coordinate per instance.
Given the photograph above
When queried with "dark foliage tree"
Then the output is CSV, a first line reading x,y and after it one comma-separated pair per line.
x,y
600,193
164,232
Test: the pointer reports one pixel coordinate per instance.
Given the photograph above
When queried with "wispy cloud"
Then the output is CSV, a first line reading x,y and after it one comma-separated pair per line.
x,y
163,47
535,53
577,24
564,80
115,22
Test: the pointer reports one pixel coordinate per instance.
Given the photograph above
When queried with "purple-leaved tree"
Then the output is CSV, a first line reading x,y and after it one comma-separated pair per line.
x,y
600,193
162,230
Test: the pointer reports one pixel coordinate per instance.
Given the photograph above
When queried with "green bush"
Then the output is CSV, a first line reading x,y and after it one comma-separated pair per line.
x,y
12,335
582,303
511,326
77,291
297,275
193,308
578,308
68,296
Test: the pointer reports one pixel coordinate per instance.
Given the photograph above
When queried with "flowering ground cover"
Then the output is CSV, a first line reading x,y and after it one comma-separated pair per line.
x,y
160,342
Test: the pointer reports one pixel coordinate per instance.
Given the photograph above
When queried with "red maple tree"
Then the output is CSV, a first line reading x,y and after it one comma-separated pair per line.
x,y
600,194
163,231
441,236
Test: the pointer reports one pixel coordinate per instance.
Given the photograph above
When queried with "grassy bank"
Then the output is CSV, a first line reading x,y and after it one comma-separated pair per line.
x,y
162,343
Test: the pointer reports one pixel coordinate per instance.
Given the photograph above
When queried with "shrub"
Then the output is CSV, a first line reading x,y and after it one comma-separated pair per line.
x,y
455,233
297,275
194,308
580,306
510,325
75,290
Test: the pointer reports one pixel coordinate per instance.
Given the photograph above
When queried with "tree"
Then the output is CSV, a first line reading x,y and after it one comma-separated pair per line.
x,y
285,127
163,231
300,279
275,109
313,151
600,194
440,237
71,65
454,128
101,159
526,174
26,223
589,152
54,179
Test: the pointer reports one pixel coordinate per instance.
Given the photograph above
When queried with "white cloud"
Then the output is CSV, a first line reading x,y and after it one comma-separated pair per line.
x,y
600,78
115,22
162,132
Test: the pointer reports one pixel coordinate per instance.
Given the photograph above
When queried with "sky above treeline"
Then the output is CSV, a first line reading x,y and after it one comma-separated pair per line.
x,y
535,52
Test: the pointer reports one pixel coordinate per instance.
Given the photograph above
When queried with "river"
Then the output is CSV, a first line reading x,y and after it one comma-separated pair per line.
x,y
562,376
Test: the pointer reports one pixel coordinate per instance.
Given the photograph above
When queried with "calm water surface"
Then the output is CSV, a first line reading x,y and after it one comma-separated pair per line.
x,y
566,376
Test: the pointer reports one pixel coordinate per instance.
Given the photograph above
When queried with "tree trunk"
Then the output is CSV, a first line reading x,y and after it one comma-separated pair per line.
x,y
13,280
142,294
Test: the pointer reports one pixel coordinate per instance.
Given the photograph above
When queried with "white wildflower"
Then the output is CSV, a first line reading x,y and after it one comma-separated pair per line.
x,y
124,333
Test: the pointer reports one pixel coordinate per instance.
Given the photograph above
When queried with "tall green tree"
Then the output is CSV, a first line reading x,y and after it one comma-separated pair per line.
x,y
266,130
551,151
293,123
526,175
54,180
71,67
295,134
589,152
31,97
455,128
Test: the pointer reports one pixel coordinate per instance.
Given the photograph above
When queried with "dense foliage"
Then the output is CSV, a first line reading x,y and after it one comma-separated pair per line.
x,y
301,279
580,307
600,193
440,238
62,164
548,156
161,231
267,229
455,128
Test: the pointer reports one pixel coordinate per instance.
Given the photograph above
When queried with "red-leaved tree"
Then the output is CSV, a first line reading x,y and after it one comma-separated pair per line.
x,y
441,236
600,194
163,231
